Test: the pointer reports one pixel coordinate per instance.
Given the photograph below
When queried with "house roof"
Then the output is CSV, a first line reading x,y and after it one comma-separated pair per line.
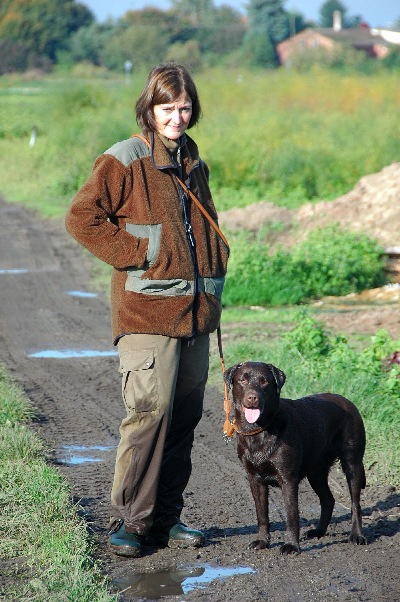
x,y
356,36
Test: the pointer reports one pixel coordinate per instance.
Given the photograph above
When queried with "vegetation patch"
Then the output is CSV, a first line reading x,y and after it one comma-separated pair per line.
x,y
294,138
44,546
330,261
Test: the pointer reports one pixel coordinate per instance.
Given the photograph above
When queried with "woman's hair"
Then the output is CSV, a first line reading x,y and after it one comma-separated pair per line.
x,y
165,84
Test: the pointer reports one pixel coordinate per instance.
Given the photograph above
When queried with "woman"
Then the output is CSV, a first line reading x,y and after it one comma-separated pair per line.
x,y
135,213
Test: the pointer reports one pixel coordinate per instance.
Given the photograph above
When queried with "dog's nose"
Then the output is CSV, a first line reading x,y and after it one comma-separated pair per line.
x,y
251,399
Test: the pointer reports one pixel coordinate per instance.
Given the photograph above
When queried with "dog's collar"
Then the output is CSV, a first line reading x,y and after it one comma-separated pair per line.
x,y
249,433
230,428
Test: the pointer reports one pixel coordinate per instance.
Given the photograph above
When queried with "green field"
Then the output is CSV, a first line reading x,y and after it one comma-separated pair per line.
x,y
279,136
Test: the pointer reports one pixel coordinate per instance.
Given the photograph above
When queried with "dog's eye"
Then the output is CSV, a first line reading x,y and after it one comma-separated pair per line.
x,y
263,381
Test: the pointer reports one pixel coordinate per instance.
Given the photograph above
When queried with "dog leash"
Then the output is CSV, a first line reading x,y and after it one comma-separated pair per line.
x,y
229,426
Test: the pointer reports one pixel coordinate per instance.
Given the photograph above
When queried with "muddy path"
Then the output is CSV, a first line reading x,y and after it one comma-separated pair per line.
x,y
77,400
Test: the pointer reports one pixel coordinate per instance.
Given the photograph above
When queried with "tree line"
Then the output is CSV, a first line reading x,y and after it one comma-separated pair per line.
x,y
45,33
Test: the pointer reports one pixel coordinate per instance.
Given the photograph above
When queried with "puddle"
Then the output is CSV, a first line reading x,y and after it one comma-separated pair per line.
x,y
71,353
175,582
72,457
14,271
81,294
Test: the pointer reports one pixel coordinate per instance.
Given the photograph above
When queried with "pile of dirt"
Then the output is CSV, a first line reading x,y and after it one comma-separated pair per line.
x,y
371,207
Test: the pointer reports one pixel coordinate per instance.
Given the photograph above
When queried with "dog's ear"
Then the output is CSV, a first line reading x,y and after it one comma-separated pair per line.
x,y
279,376
229,374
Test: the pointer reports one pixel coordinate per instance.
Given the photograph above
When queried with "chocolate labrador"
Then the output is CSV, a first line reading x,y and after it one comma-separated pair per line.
x,y
281,441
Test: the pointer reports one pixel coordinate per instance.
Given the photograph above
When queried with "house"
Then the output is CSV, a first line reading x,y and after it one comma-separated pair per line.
x,y
375,43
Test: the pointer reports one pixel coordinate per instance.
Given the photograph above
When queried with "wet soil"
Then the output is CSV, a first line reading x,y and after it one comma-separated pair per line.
x,y
78,406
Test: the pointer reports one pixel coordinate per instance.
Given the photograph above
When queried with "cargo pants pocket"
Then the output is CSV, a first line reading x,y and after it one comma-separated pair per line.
x,y
139,380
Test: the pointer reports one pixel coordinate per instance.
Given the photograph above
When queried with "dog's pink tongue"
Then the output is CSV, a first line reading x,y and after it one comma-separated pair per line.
x,y
251,414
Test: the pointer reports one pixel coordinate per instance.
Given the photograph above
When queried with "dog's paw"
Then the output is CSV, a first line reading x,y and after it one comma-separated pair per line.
x,y
314,533
359,540
289,548
259,544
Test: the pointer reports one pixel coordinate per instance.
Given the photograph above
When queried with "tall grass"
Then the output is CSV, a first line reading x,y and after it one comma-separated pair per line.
x,y
279,136
289,137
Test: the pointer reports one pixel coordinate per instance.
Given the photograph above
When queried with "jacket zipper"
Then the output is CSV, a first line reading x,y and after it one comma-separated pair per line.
x,y
186,206
192,247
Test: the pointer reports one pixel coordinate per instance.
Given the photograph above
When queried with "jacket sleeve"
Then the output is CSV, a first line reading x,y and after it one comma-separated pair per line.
x,y
90,221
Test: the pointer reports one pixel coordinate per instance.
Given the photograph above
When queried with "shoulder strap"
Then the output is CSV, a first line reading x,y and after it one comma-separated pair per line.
x,y
203,210
141,138
192,196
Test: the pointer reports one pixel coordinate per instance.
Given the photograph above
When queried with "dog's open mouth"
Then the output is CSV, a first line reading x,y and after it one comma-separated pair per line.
x,y
251,414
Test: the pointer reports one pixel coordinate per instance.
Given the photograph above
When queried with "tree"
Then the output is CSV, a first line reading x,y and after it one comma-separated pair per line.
x,y
326,12
187,53
88,43
44,26
258,51
197,12
17,56
392,60
144,46
217,30
270,17
268,25
297,22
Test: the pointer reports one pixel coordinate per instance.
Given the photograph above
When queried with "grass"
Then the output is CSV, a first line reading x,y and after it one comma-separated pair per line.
x,y
278,136
330,261
44,546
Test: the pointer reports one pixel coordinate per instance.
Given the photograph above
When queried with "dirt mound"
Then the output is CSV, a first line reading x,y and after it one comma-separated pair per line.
x,y
371,207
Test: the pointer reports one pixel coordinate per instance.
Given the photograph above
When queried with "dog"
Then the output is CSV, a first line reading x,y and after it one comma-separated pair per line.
x,y
282,441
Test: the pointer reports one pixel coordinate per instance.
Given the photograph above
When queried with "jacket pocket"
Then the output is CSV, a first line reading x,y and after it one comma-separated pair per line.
x,y
153,233
139,380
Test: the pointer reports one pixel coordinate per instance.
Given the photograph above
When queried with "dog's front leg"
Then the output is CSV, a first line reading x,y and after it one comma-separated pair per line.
x,y
260,496
290,493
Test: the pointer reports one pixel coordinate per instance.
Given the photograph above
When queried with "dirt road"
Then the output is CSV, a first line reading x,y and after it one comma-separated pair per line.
x,y
77,400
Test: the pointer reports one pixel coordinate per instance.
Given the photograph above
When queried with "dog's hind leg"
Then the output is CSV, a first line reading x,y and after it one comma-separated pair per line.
x,y
260,496
351,459
319,482
356,481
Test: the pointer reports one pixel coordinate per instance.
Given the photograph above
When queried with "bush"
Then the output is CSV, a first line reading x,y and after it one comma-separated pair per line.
x,y
392,60
375,387
19,56
329,262
336,262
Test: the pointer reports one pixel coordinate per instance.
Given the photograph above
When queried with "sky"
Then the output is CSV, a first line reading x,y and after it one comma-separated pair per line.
x,y
377,13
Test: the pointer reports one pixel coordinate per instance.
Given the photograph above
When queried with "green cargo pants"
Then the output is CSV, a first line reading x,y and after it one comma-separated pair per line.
x,y
163,383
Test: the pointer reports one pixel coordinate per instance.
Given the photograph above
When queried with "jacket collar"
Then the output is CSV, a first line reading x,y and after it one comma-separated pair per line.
x,y
162,159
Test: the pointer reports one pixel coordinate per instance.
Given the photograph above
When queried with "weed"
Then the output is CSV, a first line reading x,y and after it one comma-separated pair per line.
x,y
329,262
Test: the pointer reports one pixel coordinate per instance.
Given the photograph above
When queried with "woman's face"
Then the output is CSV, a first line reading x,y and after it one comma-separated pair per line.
x,y
172,119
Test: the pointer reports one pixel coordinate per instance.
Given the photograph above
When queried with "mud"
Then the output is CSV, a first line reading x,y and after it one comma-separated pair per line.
x,y
78,406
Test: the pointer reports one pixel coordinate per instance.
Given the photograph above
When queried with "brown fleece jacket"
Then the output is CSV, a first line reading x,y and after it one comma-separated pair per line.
x,y
130,193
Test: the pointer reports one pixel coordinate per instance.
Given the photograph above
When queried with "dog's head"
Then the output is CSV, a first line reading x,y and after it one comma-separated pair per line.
x,y
255,390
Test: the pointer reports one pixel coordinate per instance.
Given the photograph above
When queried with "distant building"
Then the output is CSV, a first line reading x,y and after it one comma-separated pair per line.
x,y
375,43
